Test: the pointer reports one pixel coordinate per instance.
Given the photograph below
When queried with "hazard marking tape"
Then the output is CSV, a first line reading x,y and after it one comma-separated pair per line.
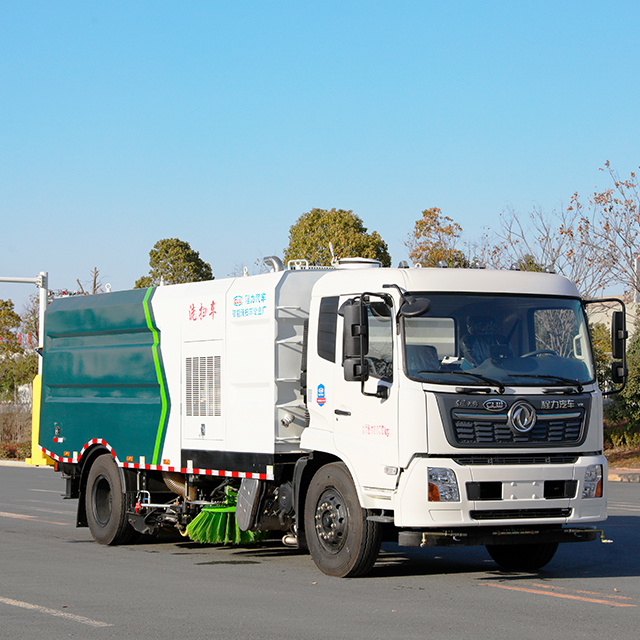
x,y
158,467
197,472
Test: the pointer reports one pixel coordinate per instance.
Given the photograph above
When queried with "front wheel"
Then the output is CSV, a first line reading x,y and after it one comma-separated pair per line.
x,y
523,557
342,542
105,503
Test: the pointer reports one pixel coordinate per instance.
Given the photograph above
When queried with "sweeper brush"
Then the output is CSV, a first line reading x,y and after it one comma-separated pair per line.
x,y
216,524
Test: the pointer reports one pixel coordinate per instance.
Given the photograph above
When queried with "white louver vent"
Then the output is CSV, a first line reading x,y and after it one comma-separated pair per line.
x,y
202,385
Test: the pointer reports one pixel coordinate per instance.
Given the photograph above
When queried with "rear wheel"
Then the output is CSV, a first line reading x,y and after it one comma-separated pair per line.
x,y
523,557
342,542
105,503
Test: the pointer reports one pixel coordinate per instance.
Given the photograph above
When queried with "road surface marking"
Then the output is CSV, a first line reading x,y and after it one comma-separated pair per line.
x,y
20,516
55,612
624,506
61,513
589,593
546,592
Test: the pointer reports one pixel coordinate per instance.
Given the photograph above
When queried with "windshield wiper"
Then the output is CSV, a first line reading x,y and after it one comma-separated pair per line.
x,y
560,379
477,376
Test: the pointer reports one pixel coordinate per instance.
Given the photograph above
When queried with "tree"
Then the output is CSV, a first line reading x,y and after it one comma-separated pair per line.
x,y
9,324
625,408
539,241
30,323
594,244
95,284
18,365
173,261
611,230
435,239
601,341
310,236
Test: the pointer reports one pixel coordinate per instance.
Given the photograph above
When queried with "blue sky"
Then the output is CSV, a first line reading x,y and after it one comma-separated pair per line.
x,y
220,123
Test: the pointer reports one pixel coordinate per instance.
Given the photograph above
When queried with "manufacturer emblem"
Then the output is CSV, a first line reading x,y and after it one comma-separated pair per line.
x,y
522,417
494,405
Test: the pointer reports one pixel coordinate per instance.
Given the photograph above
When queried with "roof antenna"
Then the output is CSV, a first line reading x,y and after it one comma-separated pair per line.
x,y
334,262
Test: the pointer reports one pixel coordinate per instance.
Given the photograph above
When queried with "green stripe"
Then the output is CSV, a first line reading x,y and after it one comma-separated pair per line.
x,y
158,365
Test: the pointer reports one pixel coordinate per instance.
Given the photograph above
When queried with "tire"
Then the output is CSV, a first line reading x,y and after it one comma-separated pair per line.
x,y
523,557
105,503
342,542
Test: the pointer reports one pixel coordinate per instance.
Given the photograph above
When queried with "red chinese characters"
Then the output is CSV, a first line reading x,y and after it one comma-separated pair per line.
x,y
202,311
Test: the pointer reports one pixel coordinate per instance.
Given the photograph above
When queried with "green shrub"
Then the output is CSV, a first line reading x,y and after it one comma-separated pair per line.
x,y
622,435
15,451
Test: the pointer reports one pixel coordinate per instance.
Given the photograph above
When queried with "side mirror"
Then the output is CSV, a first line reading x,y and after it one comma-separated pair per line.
x,y
382,391
355,370
356,329
619,335
618,373
414,307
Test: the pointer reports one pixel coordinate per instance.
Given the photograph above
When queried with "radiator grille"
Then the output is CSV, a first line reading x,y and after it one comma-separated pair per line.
x,y
202,385
516,459
494,430
519,514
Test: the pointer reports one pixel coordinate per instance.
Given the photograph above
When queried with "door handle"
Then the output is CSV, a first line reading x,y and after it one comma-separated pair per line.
x,y
340,412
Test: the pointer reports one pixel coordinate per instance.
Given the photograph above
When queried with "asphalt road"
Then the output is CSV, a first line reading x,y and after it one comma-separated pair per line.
x,y
56,582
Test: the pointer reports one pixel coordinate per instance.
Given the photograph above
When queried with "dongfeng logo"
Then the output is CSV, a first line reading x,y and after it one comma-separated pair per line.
x,y
522,417
494,405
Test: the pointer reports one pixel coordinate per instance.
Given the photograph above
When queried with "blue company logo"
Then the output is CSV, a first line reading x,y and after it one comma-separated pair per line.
x,y
237,301
321,399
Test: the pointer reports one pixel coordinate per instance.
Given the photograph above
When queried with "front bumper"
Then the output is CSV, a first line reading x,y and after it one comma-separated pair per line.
x,y
501,495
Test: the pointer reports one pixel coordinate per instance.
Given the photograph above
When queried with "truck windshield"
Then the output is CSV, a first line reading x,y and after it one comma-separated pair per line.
x,y
468,339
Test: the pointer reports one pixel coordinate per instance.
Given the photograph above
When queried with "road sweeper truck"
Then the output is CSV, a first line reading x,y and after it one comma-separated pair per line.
x,y
342,407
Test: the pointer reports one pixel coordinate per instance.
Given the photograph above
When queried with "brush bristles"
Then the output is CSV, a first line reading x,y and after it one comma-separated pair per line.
x,y
217,525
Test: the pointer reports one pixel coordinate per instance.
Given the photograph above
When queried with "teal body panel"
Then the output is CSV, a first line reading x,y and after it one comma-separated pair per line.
x,y
103,376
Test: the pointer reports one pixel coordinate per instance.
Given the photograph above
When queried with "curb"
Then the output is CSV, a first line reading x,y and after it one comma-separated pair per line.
x,y
22,463
624,475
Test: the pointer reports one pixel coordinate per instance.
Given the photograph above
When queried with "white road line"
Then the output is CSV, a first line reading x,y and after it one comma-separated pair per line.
x,y
21,516
62,513
55,612
623,507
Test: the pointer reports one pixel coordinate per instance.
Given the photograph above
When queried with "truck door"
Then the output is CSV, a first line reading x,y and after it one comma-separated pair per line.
x,y
366,412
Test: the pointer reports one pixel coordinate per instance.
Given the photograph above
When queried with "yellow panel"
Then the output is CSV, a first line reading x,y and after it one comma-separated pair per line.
x,y
37,457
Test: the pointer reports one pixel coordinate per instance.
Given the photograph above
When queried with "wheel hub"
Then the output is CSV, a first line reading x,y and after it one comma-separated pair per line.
x,y
331,520
102,501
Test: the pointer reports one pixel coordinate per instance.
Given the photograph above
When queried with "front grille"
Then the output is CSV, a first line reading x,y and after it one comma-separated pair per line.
x,y
519,514
475,429
553,458
475,421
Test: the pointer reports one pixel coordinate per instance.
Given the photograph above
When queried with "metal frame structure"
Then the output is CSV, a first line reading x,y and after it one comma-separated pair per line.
x,y
42,282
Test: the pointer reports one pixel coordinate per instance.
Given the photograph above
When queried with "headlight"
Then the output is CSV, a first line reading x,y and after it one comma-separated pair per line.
x,y
592,487
443,485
